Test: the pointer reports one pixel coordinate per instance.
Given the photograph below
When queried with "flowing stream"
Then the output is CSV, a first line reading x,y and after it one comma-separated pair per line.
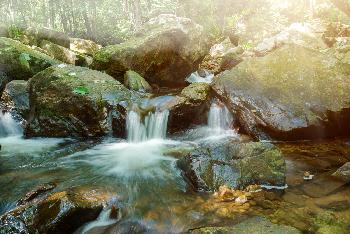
x,y
139,171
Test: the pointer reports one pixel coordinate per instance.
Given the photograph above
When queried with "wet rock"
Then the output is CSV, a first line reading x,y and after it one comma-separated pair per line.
x,y
58,52
343,172
36,192
257,225
127,226
189,107
294,102
322,185
234,164
15,98
334,205
20,62
61,212
134,81
4,79
73,101
165,52
84,46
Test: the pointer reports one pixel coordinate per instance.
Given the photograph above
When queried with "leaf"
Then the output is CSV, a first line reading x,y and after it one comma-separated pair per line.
x,y
81,90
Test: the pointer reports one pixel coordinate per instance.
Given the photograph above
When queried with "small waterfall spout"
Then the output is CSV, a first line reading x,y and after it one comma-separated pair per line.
x,y
219,119
8,126
153,126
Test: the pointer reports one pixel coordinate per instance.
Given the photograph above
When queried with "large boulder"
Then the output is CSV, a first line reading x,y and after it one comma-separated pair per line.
x,y
34,36
73,101
234,164
293,92
15,98
58,52
21,62
60,212
165,52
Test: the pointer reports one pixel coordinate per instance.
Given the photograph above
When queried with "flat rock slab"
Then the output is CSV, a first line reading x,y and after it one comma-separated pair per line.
x,y
255,225
343,172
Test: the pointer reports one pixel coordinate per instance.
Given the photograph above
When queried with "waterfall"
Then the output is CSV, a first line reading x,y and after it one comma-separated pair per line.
x,y
8,126
219,119
154,126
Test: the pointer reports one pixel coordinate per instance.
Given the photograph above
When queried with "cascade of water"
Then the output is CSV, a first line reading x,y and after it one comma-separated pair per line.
x,y
219,118
154,126
8,126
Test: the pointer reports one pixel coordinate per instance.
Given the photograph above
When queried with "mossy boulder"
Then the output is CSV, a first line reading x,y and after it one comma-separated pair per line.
x,y
4,30
293,92
134,81
20,62
73,101
60,212
190,107
34,36
15,98
58,52
165,52
233,164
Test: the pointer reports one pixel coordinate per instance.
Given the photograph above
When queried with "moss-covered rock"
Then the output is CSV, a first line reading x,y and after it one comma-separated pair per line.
x,y
58,52
292,93
21,62
190,107
165,52
15,98
233,164
73,101
60,212
134,81
34,36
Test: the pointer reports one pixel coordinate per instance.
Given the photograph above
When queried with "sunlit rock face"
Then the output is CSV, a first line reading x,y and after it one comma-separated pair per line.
x,y
292,93
164,52
73,101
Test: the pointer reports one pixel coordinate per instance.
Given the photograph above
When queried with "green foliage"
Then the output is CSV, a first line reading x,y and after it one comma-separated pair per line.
x,y
81,90
15,32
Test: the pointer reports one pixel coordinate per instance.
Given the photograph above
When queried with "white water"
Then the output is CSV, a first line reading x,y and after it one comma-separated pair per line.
x,y
8,126
219,119
154,126
196,78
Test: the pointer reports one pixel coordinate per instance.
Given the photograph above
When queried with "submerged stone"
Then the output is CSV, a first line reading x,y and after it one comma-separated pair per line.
x,y
256,225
